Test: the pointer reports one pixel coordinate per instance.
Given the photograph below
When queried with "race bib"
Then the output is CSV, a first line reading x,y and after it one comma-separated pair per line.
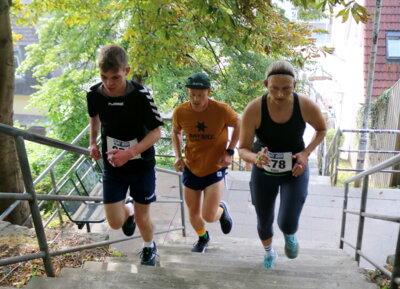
x,y
115,144
279,162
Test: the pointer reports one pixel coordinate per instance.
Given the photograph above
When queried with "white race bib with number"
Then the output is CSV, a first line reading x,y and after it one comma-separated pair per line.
x,y
115,144
279,162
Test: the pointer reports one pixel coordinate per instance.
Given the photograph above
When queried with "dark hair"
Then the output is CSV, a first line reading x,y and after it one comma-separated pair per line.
x,y
112,57
280,67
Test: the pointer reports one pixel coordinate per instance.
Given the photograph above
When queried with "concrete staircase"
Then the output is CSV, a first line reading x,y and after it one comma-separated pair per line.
x,y
228,264
234,261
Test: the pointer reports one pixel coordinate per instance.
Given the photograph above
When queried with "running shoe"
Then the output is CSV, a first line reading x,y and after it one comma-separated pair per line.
x,y
201,245
149,255
225,220
129,226
291,246
270,260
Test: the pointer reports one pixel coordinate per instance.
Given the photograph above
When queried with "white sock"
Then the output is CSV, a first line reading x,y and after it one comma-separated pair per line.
x,y
148,244
130,208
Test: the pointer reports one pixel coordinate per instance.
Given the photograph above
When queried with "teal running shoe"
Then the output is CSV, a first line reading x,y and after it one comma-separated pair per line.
x,y
270,260
291,246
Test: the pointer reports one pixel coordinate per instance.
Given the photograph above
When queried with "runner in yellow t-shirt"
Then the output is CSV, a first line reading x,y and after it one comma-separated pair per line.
x,y
205,123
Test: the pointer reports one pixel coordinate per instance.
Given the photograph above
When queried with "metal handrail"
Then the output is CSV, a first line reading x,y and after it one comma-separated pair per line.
x,y
49,169
375,169
395,275
330,154
33,137
331,164
20,136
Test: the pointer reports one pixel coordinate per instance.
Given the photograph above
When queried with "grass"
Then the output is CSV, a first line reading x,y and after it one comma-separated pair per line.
x,y
344,175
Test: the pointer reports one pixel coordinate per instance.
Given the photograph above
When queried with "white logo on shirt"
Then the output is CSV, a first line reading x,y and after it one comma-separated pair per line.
x,y
115,104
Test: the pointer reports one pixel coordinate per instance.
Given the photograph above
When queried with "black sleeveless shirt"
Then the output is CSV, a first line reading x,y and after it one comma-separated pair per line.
x,y
280,137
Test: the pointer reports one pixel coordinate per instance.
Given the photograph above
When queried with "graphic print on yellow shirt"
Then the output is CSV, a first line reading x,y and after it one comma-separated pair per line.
x,y
206,134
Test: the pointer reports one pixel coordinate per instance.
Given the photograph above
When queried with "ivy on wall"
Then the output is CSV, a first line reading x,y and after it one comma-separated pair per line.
x,y
379,107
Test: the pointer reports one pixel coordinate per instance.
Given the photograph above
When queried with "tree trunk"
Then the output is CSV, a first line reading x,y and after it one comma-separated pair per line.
x,y
10,173
362,146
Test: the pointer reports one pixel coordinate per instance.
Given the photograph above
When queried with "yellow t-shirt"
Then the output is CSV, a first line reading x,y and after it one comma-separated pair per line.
x,y
206,134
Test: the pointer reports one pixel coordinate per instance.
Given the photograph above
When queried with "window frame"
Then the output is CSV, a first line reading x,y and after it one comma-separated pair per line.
x,y
391,34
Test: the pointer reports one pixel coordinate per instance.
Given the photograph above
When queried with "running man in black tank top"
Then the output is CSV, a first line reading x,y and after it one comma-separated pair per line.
x,y
279,156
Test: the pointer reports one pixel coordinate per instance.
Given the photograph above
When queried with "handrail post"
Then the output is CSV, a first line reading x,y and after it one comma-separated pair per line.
x,y
37,221
337,159
323,157
395,284
363,207
54,184
183,219
343,228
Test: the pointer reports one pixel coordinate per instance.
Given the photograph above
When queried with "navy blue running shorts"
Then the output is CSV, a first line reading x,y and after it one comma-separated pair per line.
x,y
142,186
200,183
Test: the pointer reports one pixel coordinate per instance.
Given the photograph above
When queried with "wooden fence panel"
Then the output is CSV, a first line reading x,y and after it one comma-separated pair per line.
x,y
388,118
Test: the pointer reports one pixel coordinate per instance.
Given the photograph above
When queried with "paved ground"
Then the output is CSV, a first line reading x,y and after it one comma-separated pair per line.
x,y
320,220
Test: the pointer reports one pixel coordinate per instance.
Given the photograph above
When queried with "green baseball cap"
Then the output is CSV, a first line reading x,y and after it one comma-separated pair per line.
x,y
198,80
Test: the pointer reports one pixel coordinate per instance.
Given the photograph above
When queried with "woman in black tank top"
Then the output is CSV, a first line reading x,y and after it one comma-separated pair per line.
x,y
277,121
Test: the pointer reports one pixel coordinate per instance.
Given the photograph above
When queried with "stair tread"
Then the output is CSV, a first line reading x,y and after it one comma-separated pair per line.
x,y
228,263
177,269
192,279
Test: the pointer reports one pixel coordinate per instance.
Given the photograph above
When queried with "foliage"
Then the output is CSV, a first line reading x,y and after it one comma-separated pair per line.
x,y
233,41
310,14
379,108
329,137
350,8
24,243
166,41
240,80
175,29
164,147
344,175
243,78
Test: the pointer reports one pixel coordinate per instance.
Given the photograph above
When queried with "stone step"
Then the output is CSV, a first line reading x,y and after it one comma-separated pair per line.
x,y
249,259
352,274
60,283
64,283
115,274
253,245
336,267
243,251
232,278
178,278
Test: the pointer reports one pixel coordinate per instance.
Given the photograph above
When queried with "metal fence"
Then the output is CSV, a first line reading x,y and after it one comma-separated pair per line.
x,y
30,195
395,275
328,159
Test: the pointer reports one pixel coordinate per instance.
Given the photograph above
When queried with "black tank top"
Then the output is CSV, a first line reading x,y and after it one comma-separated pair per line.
x,y
280,137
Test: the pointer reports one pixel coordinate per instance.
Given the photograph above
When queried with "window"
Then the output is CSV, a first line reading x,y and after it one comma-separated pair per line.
x,y
393,44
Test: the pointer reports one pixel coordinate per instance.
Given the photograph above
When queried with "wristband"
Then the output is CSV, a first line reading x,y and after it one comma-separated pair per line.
x,y
230,152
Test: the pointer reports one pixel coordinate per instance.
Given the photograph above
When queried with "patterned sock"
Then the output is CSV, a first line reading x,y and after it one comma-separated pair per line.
x,y
202,233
